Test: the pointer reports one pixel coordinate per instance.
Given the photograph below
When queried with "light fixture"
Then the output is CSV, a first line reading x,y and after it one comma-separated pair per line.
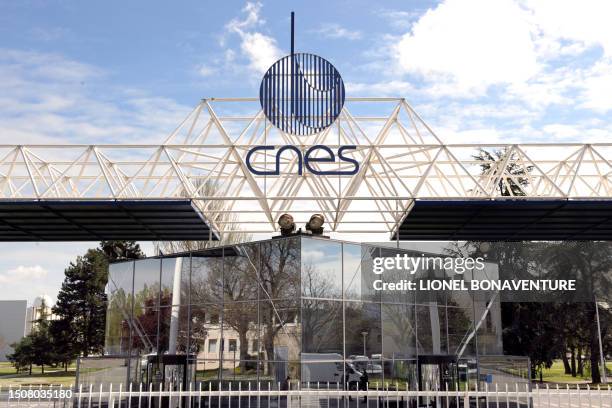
x,y
286,224
315,225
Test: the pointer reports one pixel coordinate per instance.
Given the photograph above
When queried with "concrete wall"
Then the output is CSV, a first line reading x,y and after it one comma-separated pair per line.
x,y
12,324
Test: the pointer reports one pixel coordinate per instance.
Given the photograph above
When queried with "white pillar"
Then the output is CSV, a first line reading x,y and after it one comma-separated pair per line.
x,y
176,303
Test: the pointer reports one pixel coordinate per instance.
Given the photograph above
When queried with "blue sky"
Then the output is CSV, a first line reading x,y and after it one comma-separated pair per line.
x,y
121,72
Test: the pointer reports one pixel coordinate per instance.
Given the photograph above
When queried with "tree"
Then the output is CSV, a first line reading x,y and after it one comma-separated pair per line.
x,y
23,354
81,302
35,348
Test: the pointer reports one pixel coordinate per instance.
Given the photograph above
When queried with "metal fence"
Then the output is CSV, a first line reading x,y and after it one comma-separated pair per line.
x,y
325,396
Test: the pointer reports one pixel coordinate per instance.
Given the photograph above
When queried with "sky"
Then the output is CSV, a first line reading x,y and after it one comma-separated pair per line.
x,y
117,72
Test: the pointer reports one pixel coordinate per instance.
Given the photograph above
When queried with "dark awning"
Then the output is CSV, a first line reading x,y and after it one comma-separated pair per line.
x,y
93,220
512,219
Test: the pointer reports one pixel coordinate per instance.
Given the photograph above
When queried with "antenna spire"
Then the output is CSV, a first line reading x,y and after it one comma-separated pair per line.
x,y
292,34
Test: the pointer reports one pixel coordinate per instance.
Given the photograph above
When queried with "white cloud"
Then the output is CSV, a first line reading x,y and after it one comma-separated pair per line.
x,y
206,70
312,255
587,21
23,273
260,49
336,31
560,131
471,45
596,87
399,19
388,88
46,98
463,47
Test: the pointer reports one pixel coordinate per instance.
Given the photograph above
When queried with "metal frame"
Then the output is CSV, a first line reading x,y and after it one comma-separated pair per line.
x,y
401,160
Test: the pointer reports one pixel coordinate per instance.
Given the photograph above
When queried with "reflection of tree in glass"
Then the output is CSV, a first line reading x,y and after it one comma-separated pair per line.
x,y
399,332
321,319
145,336
279,278
239,291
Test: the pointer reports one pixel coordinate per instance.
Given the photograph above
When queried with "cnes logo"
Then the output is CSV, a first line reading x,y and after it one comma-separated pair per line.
x,y
303,94
307,160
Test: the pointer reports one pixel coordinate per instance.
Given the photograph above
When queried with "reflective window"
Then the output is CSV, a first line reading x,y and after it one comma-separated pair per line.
x,y
119,309
351,258
239,325
240,265
301,307
207,277
321,326
399,331
321,269
280,332
362,331
279,276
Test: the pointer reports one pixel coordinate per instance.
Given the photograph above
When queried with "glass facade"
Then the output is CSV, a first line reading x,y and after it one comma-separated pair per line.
x,y
300,306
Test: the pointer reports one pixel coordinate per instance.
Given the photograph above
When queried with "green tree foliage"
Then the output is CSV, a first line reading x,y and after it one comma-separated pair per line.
x,y
35,348
23,354
81,302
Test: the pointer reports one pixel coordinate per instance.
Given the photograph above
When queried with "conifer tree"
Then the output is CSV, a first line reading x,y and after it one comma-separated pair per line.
x,y
81,302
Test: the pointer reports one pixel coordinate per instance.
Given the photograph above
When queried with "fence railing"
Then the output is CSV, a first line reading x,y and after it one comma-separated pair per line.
x,y
325,396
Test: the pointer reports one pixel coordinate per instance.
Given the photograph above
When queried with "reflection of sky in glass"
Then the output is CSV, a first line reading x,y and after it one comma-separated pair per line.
x,y
321,268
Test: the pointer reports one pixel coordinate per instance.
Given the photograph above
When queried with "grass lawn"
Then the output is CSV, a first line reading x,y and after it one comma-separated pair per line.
x,y
52,376
556,374
6,368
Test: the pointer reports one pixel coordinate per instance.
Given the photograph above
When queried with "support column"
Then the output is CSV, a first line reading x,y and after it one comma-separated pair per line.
x,y
176,306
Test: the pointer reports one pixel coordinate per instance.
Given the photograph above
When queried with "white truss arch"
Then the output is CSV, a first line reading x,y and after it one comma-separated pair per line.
x,y
401,159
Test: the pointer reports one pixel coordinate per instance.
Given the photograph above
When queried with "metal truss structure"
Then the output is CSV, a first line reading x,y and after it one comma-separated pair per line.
x,y
401,160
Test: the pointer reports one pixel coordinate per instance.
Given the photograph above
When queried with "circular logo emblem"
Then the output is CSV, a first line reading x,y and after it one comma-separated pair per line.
x,y
303,95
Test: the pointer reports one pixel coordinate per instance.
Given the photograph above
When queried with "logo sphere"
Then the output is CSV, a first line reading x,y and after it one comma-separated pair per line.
x,y
302,95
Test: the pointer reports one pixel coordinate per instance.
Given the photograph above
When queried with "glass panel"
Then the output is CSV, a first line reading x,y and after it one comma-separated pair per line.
x,y
431,329
170,267
280,332
396,275
399,331
207,277
177,332
206,371
362,329
146,284
277,372
279,275
321,268
359,281
240,272
490,330
237,370
119,310
402,372
459,328
205,326
317,373
146,306
322,326
240,329
351,258
145,330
